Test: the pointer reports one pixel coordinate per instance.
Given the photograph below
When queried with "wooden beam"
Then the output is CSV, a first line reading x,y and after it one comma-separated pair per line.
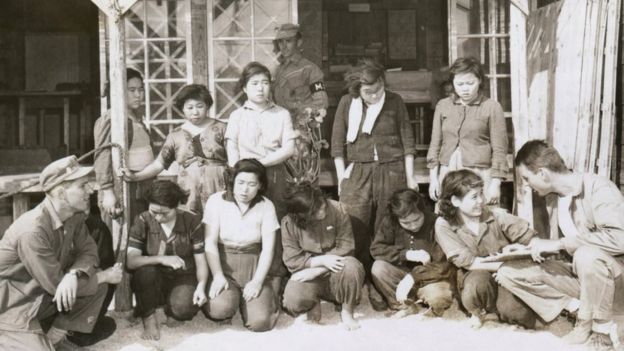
x,y
66,139
519,101
452,30
21,121
20,205
608,125
119,135
567,77
199,42
103,60
590,78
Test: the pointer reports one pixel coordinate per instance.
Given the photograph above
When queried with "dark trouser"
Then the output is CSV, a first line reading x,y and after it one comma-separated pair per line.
x,y
365,195
387,276
155,287
277,176
342,287
259,314
82,316
480,292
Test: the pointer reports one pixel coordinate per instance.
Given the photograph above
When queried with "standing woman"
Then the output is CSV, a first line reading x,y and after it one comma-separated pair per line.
x,y
240,237
468,132
263,131
373,150
140,153
198,146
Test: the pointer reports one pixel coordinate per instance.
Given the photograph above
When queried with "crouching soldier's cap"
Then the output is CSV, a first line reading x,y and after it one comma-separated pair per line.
x,y
287,30
61,170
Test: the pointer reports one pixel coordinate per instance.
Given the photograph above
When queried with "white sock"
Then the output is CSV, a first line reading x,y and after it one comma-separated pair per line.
x,y
55,335
573,305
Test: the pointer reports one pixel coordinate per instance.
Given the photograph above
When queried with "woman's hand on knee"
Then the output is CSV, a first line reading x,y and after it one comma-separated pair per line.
x,y
252,290
219,284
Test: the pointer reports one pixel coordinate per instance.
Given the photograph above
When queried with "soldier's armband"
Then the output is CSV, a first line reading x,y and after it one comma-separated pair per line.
x,y
317,86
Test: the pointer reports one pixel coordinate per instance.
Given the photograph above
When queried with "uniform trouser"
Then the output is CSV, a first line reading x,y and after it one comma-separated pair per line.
x,y
593,277
365,195
387,276
259,314
344,287
155,286
480,292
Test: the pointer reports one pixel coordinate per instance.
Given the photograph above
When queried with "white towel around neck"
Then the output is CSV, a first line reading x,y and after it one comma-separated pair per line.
x,y
355,117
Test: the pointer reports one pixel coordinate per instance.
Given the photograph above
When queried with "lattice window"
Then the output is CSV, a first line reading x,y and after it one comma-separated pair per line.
x,y
241,31
158,38
480,28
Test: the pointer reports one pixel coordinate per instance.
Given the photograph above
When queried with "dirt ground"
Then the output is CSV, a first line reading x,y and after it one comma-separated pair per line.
x,y
378,332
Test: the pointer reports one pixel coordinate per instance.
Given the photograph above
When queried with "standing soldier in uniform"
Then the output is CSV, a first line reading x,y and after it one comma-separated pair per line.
x,y
299,88
298,81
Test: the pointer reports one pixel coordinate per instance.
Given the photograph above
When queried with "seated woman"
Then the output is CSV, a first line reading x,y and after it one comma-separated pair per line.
x,y
198,146
166,252
467,232
240,237
318,248
408,262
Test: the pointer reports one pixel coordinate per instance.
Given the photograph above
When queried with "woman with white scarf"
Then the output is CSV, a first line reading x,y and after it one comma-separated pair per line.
x,y
373,150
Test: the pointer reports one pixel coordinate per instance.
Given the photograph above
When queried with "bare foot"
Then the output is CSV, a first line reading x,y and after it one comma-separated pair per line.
x,y
347,319
475,322
408,310
150,328
161,317
172,322
314,315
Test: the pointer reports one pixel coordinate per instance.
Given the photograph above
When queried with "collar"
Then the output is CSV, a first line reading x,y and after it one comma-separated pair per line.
x,y
486,217
250,106
56,220
228,195
480,98
294,58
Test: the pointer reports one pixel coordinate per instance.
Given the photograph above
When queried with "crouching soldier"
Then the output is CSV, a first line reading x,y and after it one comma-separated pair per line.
x,y
166,250
48,265
409,265
318,248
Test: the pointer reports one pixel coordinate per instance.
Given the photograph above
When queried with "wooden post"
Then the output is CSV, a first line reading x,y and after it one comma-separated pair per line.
x,y
608,125
199,42
66,138
21,121
119,135
20,205
519,102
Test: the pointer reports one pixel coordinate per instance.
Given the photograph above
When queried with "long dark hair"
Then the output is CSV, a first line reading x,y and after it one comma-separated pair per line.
x,y
456,183
303,201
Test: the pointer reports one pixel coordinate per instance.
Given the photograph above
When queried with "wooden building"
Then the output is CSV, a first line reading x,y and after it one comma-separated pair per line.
x,y
553,82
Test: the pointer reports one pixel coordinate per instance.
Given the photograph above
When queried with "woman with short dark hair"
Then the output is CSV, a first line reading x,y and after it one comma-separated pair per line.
x,y
373,150
469,131
198,146
318,251
166,253
240,237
